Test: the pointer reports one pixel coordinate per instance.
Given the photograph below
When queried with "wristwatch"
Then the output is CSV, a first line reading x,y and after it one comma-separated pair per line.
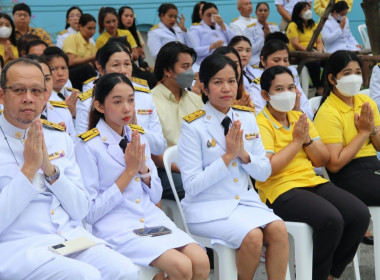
x,y
54,176
375,132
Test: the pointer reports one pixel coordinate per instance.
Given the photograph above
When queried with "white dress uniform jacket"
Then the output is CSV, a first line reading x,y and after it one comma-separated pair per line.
x,y
35,215
239,25
203,36
159,35
255,34
114,215
64,34
374,85
335,38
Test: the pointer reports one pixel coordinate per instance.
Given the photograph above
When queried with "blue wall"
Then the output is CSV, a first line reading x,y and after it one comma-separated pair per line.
x,y
50,15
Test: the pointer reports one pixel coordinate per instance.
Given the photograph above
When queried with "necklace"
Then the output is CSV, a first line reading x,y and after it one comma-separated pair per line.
x,y
6,139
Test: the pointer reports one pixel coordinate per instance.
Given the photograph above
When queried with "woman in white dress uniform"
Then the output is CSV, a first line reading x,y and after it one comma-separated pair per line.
x,y
165,31
215,163
124,186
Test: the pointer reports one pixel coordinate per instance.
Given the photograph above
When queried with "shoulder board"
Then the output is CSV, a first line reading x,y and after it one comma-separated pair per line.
x,y
251,25
51,125
257,80
89,80
61,104
63,32
256,67
378,64
71,89
154,27
137,127
85,95
85,136
294,76
147,90
195,115
243,108
139,81
272,23
1,111
235,19
196,23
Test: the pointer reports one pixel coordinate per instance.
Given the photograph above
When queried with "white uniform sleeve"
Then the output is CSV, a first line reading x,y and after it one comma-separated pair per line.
x,y
154,43
202,51
83,111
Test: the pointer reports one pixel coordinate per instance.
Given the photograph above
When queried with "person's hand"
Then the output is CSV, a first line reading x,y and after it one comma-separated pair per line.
x,y
197,85
216,44
8,53
301,130
297,105
343,23
141,52
181,23
244,100
233,139
365,123
266,29
219,21
359,46
47,168
71,102
63,125
134,153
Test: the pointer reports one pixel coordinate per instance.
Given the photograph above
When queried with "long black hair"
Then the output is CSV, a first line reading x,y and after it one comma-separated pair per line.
x,y
12,37
195,15
102,14
131,29
298,20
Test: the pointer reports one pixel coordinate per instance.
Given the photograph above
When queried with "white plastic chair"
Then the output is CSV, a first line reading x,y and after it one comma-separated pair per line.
x,y
365,91
147,273
375,217
364,34
170,208
314,103
305,77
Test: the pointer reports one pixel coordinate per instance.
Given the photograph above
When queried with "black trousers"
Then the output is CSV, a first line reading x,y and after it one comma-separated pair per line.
x,y
167,192
339,221
314,68
361,177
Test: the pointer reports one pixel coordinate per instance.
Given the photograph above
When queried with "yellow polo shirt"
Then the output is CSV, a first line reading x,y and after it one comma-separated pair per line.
x,y
14,51
77,45
335,122
300,171
303,38
104,37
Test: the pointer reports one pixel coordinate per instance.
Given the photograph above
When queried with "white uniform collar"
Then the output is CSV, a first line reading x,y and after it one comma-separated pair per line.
x,y
110,134
11,130
218,115
71,30
245,18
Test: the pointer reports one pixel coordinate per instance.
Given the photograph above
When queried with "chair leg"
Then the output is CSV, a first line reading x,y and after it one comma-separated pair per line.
x,y
225,263
375,217
355,265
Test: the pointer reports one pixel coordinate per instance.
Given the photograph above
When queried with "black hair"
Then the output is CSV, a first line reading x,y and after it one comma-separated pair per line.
x,y
104,86
340,6
336,63
21,7
86,18
298,20
164,8
1,61
38,59
68,12
12,37
122,40
271,47
131,29
22,60
105,52
33,43
168,56
224,50
54,52
24,40
261,3
210,66
207,6
238,39
270,74
102,14
195,15
278,35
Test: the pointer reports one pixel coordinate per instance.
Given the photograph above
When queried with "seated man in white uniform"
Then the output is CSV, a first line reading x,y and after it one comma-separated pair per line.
x,y
42,197
238,25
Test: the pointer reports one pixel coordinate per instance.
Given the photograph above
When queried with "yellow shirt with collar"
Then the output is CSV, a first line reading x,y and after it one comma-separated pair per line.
x,y
77,45
335,122
171,113
14,51
104,37
300,171
303,38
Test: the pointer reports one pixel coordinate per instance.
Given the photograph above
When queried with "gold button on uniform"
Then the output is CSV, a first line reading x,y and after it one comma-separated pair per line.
x,y
142,220
137,179
237,197
234,164
236,180
59,232
137,200
52,211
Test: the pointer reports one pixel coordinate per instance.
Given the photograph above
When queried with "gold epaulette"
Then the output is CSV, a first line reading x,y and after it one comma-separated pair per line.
x,y
85,95
195,115
85,136
154,27
61,104
272,23
71,89
51,125
139,81
89,80
137,127
63,32
257,80
243,108
147,90
196,23
378,64
235,19
1,111
256,67
251,25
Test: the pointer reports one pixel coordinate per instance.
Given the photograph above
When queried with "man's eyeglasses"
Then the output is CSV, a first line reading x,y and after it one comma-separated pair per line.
x,y
21,90
26,15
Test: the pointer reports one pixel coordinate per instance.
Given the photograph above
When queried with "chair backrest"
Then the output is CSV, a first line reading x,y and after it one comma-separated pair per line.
x,y
314,103
365,91
170,157
364,34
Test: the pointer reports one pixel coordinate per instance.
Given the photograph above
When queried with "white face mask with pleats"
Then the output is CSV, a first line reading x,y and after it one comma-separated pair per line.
x,y
5,32
283,101
307,15
349,85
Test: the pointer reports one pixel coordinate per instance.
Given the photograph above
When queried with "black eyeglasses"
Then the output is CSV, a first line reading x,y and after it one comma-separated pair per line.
x,y
21,90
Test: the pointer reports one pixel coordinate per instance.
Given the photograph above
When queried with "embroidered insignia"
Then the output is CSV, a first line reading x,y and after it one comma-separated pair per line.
x,y
147,90
137,127
139,81
195,115
251,25
243,108
85,95
85,136
57,155
18,135
235,19
1,111
257,80
63,32
71,89
154,27
61,104
89,80
196,23
256,67
144,111
211,143
249,136
51,125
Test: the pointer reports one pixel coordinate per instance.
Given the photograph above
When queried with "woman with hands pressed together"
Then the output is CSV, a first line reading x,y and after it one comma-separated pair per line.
x,y
218,149
122,180
294,192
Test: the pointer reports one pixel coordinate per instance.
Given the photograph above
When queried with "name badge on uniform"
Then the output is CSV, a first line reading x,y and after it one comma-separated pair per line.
x,y
57,155
211,143
250,136
144,111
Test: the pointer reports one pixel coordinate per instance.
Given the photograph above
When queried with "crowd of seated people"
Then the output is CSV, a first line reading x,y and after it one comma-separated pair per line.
x,y
85,123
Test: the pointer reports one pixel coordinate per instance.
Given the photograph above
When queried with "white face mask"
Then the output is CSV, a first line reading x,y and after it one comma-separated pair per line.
x,y
349,85
5,32
283,101
307,15
339,17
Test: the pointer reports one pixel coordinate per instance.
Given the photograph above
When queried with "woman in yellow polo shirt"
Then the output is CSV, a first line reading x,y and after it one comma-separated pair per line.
x,y
8,44
299,31
348,123
339,219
